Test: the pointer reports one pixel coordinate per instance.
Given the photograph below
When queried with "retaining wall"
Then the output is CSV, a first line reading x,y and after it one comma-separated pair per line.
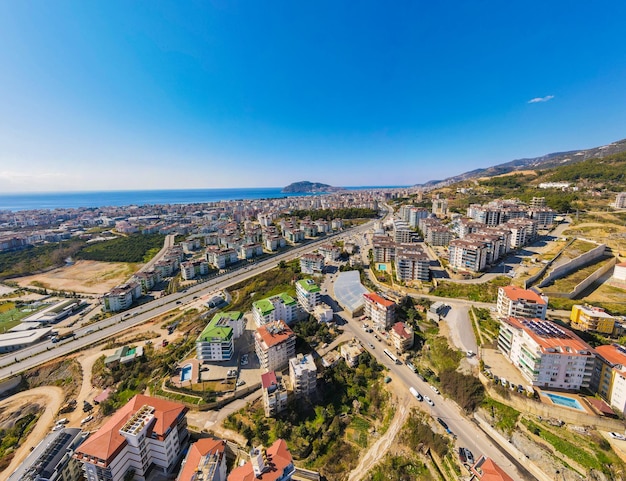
x,y
585,283
531,280
581,260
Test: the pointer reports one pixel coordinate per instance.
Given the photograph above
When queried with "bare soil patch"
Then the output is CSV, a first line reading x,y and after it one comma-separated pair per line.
x,y
89,277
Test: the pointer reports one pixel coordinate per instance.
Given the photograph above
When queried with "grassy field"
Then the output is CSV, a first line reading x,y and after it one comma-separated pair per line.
x,y
567,283
10,316
487,292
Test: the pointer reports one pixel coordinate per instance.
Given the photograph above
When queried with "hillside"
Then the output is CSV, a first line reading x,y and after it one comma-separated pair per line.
x,y
306,187
544,162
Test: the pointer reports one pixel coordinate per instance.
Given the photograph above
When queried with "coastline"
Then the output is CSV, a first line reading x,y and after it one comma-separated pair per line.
x,y
17,202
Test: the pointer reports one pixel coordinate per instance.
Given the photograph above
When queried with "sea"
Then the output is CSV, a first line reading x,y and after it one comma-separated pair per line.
x,y
67,200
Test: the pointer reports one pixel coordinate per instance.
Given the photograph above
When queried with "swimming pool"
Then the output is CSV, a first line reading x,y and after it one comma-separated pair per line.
x,y
568,402
185,372
382,267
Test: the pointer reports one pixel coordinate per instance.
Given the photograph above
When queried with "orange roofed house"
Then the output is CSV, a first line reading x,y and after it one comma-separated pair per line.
x,y
275,464
486,470
146,434
380,310
206,461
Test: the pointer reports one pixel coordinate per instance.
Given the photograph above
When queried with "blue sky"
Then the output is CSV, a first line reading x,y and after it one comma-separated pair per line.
x,y
141,95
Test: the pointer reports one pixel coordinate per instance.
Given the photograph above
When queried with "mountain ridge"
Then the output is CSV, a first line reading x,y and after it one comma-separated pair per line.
x,y
542,162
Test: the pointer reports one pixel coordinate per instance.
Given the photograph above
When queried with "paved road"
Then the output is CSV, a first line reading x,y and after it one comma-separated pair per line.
x,y
468,434
28,358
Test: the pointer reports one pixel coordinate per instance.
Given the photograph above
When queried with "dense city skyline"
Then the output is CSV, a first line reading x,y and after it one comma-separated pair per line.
x,y
119,96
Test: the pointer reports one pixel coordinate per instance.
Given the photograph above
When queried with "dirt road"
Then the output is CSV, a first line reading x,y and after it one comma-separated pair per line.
x,y
376,452
49,396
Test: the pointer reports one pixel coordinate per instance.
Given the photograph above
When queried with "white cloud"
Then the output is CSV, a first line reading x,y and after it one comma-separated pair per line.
x,y
536,100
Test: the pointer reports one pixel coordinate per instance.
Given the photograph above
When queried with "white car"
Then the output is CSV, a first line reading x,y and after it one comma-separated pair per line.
x,y
618,436
429,401
435,390
87,419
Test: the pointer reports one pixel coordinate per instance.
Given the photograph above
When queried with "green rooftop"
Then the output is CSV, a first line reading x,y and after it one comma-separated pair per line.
x,y
309,286
264,306
218,328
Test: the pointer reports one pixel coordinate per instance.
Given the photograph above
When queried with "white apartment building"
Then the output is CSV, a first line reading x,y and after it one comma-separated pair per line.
x,y
384,249
464,254
523,231
248,251
517,302
438,235
381,311
147,434
311,263
412,263
546,354
220,258
303,375
275,344
121,297
543,217
279,307
275,396
330,252
308,294
216,342
205,461
191,269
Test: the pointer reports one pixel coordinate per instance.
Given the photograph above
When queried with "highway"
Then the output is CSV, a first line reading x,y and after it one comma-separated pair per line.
x,y
18,361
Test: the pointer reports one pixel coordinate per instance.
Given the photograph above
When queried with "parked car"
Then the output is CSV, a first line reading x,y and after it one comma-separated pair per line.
x,y
462,456
443,424
618,436
87,419
435,390
469,456
429,401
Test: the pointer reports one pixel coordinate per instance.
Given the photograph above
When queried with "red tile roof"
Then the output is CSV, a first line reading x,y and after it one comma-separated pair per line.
x,y
399,328
197,451
486,470
612,354
268,379
107,442
549,335
274,333
278,458
517,293
372,296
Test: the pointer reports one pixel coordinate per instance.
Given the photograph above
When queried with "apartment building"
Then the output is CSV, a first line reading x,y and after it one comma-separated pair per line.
x,y
440,207
590,318
273,464
303,375
438,235
381,311
217,340
279,307
275,344
311,263
274,393
205,461
192,269
308,294
485,469
220,258
249,251
52,459
412,263
384,249
548,355
517,302
612,384
121,297
402,233
468,255
523,231
147,279
146,435
542,216
402,336
330,252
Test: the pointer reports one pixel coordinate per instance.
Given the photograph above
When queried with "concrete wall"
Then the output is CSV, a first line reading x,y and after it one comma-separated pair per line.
x,y
531,280
585,283
537,408
581,260
9,384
